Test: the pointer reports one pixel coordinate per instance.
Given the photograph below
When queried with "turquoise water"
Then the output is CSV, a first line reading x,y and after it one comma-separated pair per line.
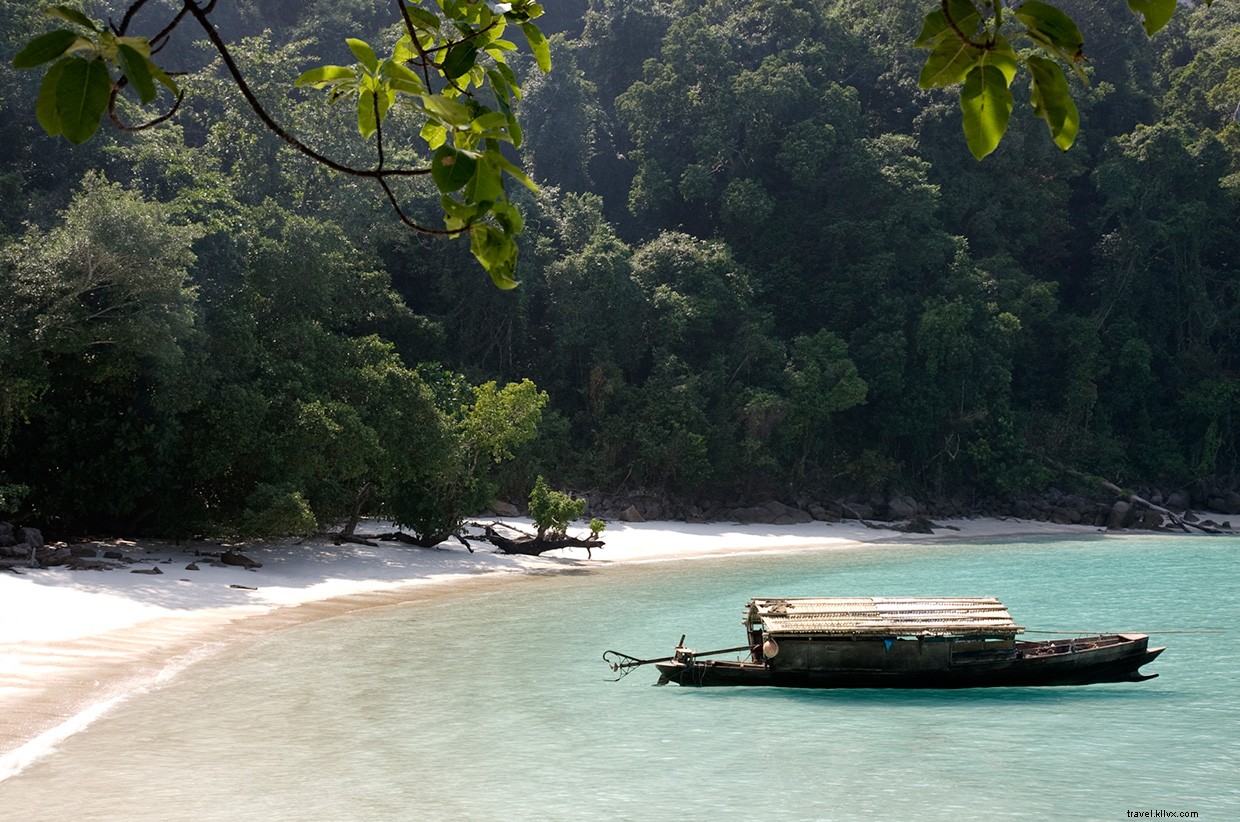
x,y
495,705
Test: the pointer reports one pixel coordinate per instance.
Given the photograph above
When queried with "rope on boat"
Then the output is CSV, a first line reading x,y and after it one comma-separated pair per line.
x,y
623,663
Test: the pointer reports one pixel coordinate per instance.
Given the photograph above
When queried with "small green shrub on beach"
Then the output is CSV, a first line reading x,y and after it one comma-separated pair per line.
x,y
552,511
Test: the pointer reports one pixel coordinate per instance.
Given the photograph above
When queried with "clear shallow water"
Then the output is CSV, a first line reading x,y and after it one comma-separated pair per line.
x,y
496,706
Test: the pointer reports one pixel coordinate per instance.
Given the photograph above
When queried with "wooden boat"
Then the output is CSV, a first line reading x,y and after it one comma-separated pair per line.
x,y
899,642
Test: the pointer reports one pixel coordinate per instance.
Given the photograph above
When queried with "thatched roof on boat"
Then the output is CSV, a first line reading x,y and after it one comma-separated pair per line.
x,y
885,616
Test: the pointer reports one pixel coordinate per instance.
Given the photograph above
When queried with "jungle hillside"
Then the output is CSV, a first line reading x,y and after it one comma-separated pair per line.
x,y
758,260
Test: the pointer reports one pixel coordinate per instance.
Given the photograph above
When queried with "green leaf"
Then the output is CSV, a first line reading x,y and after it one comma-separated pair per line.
x,y
538,45
324,76
490,120
138,44
368,119
44,48
402,78
138,69
508,217
986,102
447,111
948,63
515,171
485,186
451,169
460,60
163,79
423,17
364,53
1051,27
82,97
1052,101
1003,58
45,110
1154,13
964,14
434,134
460,215
496,251
72,15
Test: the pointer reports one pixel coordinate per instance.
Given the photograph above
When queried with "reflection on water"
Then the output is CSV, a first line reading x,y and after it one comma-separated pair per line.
x,y
498,706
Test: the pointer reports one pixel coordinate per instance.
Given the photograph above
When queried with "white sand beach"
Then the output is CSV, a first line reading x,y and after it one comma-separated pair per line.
x,y
74,643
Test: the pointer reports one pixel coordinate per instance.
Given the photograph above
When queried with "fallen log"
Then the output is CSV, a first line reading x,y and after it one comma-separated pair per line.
x,y
533,545
1134,499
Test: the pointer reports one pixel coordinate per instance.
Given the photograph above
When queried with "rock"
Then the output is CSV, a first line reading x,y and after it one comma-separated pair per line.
x,y
822,514
504,509
83,551
153,571
1121,515
87,564
193,566
1149,519
34,537
234,558
901,506
750,514
631,514
857,510
53,556
1227,502
18,551
919,525
113,555
7,535
787,514
1179,500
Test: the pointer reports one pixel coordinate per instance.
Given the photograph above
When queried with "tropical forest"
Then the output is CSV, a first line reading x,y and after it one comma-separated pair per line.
x,y
267,267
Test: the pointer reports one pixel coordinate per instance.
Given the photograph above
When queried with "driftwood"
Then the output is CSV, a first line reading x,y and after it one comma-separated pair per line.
x,y
1169,514
534,545
1133,499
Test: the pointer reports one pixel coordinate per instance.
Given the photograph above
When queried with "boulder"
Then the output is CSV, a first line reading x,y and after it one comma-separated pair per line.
x,y
1179,500
857,510
113,555
193,566
8,535
1226,502
822,514
153,571
83,551
31,536
240,560
751,514
1121,515
901,506
87,564
504,509
1149,519
48,557
631,514
786,514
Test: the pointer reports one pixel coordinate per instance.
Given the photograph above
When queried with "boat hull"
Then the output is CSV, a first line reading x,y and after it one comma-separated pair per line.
x,y
1082,661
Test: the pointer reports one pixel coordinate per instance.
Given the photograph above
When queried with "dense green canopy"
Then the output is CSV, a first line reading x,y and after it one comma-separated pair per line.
x,y
763,261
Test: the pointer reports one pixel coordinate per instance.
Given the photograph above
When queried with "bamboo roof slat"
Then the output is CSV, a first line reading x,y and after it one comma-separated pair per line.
x,y
884,616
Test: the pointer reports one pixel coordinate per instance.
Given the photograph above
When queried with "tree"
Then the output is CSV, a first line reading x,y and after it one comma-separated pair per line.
x,y
552,511
480,428
448,71
96,328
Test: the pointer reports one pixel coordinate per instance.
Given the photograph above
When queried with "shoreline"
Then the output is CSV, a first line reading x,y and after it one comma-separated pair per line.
x,y
73,644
